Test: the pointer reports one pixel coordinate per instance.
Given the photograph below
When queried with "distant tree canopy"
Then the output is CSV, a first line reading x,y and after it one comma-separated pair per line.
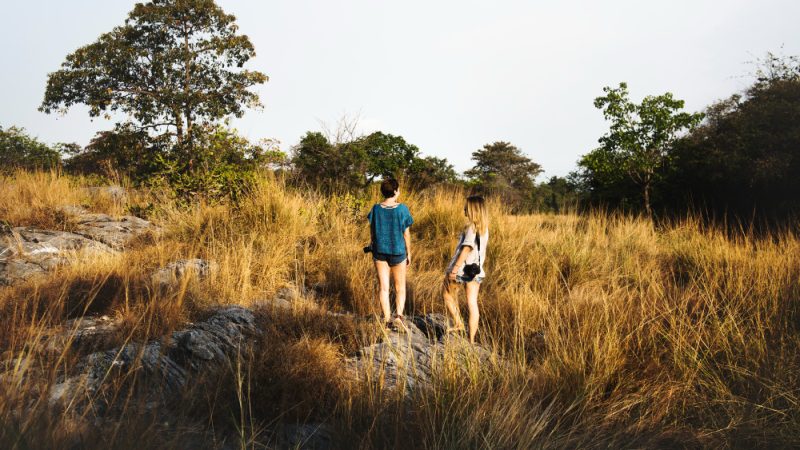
x,y
18,150
502,169
745,158
556,195
359,161
637,146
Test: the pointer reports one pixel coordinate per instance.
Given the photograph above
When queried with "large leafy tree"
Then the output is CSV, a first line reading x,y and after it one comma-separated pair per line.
x,y
174,66
639,139
323,163
504,169
388,155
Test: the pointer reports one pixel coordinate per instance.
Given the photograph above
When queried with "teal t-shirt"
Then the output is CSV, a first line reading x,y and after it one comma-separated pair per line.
x,y
388,225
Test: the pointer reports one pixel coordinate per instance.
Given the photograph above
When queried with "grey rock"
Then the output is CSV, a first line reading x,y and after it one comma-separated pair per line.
x,y
28,252
114,232
167,364
174,272
407,360
78,332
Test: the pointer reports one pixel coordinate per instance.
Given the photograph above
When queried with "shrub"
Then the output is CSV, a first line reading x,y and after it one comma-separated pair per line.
x,y
18,150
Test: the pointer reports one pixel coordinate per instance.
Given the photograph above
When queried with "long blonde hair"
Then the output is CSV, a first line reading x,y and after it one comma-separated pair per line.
x,y
477,213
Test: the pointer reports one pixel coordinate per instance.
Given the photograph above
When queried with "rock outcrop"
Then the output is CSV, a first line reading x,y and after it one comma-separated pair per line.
x,y
114,232
166,365
26,252
407,360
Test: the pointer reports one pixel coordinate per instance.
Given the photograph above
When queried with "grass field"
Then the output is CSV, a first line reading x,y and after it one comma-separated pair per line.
x,y
669,336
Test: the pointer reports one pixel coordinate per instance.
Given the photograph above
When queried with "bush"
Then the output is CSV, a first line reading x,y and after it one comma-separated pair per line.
x,y
18,150
216,163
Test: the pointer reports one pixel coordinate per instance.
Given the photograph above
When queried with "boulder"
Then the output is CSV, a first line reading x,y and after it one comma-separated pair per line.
x,y
83,331
28,252
116,232
407,359
166,365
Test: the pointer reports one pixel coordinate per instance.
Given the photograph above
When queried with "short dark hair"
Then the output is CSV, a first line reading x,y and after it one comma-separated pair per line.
x,y
389,187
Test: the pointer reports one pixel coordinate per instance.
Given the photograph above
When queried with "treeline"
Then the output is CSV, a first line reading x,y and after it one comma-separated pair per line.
x,y
736,159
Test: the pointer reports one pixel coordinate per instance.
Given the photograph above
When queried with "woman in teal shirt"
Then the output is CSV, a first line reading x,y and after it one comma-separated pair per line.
x,y
391,249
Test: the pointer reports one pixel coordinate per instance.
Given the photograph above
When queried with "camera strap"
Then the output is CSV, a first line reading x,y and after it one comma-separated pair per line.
x,y
478,241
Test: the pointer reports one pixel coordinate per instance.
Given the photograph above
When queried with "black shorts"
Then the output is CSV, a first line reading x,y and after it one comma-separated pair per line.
x,y
393,260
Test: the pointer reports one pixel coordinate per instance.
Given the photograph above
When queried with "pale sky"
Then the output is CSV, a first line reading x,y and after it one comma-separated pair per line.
x,y
448,76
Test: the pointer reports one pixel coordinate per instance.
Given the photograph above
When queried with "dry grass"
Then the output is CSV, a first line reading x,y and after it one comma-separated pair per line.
x,y
678,336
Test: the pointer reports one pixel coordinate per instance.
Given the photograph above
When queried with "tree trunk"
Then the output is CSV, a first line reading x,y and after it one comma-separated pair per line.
x,y
646,193
187,79
178,125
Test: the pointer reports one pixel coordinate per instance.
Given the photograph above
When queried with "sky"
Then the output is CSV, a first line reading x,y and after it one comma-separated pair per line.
x,y
449,76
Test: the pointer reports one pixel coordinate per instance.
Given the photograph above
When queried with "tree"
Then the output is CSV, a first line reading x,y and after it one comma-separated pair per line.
x,y
175,66
557,195
18,150
320,162
343,160
640,136
124,152
430,170
388,155
502,168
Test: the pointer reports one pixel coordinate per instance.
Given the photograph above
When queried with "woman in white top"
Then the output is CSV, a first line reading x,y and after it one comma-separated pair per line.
x,y
466,266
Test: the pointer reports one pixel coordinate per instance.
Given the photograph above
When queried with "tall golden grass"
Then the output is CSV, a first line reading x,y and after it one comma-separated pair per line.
x,y
680,335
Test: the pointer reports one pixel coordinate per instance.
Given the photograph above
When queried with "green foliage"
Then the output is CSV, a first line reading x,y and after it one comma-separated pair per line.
x,y
173,65
388,155
745,158
18,150
328,165
556,195
502,169
431,171
220,164
638,142
124,152
356,163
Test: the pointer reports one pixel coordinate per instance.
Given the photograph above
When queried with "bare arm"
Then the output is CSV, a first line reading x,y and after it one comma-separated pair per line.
x,y
407,238
463,253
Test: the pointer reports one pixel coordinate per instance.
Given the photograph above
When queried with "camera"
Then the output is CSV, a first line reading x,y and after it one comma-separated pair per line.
x,y
368,249
471,271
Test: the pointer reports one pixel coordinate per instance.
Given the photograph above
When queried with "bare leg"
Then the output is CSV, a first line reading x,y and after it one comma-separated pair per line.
x,y
382,269
472,303
449,295
399,277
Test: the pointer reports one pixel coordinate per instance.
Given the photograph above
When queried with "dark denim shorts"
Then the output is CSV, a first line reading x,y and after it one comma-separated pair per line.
x,y
393,260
